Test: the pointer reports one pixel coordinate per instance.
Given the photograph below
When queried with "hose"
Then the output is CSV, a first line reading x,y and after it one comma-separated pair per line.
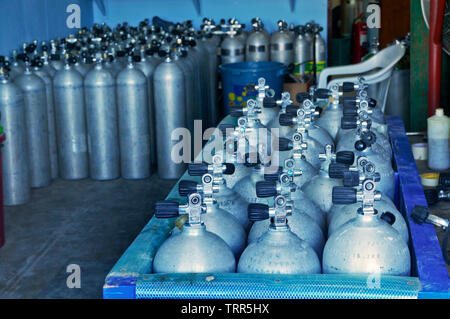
x,y
331,99
445,246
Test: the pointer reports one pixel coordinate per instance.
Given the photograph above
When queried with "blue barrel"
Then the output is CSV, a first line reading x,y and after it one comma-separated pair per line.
x,y
236,78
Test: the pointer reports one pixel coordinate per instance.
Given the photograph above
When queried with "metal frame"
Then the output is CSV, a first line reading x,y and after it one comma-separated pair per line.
x,y
133,269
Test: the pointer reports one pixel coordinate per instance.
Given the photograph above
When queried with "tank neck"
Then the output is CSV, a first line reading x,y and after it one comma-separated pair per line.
x,y
193,230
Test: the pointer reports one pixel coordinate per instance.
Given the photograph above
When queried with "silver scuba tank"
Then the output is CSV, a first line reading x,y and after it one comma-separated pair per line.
x,y
102,123
168,82
246,187
282,45
331,115
134,131
36,124
323,183
227,199
302,53
300,201
192,59
366,244
46,64
16,68
194,249
232,48
218,221
213,107
16,181
366,146
257,44
300,222
70,121
148,68
268,108
39,70
278,250
354,176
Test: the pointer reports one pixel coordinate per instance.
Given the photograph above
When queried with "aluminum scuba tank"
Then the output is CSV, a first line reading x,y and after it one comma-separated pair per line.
x,y
300,222
227,199
302,53
232,48
70,121
102,123
134,131
46,66
218,221
366,244
168,82
283,131
300,201
323,183
246,187
340,214
188,76
36,124
268,109
282,45
257,44
16,181
148,68
16,68
39,70
331,116
366,146
319,50
195,249
278,250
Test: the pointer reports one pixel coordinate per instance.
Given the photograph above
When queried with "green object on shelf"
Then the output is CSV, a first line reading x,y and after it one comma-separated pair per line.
x,y
1,130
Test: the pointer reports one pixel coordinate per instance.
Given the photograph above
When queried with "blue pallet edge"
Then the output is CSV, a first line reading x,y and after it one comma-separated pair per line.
x,y
131,276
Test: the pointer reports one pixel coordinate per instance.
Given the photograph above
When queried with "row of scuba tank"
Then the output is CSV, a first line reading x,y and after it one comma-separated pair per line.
x,y
103,104
299,48
328,208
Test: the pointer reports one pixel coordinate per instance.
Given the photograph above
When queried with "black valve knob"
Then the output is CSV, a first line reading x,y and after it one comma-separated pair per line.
x,y
420,214
300,97
323,93
284,144
372,102
351,178
349,101
369,138
345,157
266,189
187,187
348,87
292,110
350,110
257,212
236,112
229,169
269,102
337,170
388,217
360,146
197,169
286,119
343,195
348,122
166,209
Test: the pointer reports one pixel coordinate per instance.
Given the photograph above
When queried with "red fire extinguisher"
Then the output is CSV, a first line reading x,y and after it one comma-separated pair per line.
x,y
359,39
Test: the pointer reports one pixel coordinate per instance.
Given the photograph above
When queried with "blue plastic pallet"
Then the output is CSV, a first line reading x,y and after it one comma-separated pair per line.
x,y
131,276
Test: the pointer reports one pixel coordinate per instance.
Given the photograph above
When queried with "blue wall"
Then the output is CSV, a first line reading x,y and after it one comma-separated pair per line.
x,y
28,20
270,11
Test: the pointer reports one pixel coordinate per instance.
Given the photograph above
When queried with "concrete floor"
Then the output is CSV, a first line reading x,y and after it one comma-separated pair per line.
x,y
83,222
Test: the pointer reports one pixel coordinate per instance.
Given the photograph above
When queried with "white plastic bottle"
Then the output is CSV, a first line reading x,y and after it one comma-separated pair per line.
x,y
438,141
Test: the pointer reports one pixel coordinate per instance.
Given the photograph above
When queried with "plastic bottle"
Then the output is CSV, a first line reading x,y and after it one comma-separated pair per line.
x,y
438,141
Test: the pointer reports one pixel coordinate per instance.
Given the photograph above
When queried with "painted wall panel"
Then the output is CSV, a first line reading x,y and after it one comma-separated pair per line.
x,y
270,11
28,20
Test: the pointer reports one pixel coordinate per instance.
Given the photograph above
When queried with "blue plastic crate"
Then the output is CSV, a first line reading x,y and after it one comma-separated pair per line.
x,y
131,277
